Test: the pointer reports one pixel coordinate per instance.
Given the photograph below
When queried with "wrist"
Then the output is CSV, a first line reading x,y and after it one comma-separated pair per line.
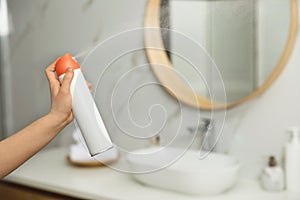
x,y
57,121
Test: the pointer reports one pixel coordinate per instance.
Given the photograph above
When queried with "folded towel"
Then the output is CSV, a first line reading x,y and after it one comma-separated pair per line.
x,y
78,152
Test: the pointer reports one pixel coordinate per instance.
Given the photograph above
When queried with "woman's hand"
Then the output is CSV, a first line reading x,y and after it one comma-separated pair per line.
x,y
25,143
61,99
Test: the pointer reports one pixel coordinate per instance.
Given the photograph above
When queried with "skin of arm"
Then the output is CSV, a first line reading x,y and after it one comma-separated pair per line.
x,y
21,146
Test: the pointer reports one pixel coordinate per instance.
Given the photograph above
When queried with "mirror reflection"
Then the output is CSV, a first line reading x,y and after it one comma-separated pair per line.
x,y
245,38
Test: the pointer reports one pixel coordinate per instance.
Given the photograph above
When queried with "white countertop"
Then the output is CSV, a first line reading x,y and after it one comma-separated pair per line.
x,y
50,171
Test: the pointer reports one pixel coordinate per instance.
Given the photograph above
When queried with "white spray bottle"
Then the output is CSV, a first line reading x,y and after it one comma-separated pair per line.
x,y
292,161
84,108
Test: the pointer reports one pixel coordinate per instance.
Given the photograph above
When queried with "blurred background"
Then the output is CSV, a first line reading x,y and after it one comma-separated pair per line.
x,y
39,31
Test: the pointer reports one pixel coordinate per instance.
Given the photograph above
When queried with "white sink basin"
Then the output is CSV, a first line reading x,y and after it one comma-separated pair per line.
x,y
212,175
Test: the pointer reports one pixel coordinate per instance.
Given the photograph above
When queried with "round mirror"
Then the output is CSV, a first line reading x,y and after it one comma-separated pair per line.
x,y
249,41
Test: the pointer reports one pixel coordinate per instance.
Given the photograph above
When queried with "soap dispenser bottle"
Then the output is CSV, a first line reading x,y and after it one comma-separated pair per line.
x,y
272,178
292,161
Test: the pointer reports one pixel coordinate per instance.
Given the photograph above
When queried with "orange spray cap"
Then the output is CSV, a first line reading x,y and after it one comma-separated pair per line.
x,y
64,63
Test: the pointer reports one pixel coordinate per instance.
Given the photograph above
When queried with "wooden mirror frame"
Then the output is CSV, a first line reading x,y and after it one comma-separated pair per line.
x,y
175,85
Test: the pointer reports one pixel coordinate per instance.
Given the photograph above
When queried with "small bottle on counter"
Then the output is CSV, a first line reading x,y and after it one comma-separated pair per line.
x,y
272,178
292,161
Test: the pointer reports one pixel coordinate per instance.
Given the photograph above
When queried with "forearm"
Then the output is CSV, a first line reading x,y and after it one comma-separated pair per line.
x,y
18,148
15,150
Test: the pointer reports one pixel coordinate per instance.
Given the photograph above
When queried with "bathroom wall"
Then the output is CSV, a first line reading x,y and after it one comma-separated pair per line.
x,y
45,29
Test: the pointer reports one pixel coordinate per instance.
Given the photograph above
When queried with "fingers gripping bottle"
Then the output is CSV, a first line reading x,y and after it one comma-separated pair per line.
x,y
84,108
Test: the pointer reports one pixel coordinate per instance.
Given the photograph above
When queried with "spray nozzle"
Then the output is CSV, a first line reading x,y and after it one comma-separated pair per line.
x,y
294,134
64,63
